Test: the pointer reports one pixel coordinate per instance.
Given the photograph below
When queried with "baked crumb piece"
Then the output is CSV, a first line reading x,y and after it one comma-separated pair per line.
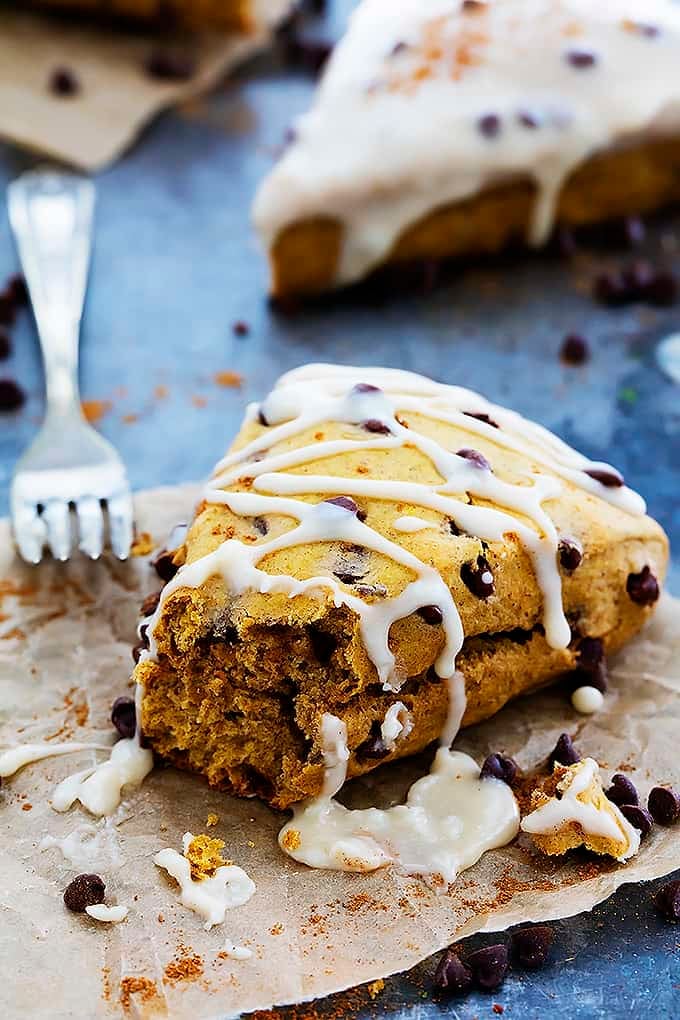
x,y
375,988
291,840
212,820
570,809
142,986
205,856
143,544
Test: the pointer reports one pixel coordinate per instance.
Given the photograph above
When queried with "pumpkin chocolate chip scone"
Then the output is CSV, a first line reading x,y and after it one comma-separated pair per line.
x,y
372,537
456,127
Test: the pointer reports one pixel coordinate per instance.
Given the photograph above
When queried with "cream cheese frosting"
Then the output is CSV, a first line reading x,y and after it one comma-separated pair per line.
x,y
428,102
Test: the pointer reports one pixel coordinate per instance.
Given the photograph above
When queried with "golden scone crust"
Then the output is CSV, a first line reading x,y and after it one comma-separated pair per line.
x,y
230,14
239,682
305,255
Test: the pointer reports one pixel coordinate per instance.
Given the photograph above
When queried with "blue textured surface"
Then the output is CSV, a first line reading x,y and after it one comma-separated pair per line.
x,y
175,265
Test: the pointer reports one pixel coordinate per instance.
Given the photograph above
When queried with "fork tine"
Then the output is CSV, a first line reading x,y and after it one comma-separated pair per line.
x,y
90,526
120,523
57,517
30,531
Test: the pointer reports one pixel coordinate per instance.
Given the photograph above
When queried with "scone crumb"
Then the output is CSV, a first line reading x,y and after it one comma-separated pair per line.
x,y
212,820
276,929
205,856
375,988
143,544
291,841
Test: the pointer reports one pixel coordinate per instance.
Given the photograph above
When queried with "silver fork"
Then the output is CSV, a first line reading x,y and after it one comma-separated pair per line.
x,y
70,479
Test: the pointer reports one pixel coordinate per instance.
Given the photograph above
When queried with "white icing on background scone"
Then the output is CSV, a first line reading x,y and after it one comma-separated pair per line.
x,y
396,129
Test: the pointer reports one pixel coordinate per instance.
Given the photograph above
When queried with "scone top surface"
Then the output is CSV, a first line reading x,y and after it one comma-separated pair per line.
x,y
428,102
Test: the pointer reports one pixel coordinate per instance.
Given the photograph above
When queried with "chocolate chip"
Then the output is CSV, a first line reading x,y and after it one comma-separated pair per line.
x,y
610,478
374,746
662,289
150,604
452,975
84,891
305,54
64,82
431,614
489,966
261,418
580,58
590,653
5,345
596,677
365,387
16,286
164,566
8,308
240,328
475,457
664,805
574,350
170,64
667,901
478,578
260,524
481,416
124,717
474,6
530,947
489,125
142,644
528,120
638,817
622,791
570,553
375,425
564,752
12,397
643,588
346,502
496,766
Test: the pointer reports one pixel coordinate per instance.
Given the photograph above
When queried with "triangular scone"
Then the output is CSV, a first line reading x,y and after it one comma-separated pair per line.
x,y
453,127
572,810
371,533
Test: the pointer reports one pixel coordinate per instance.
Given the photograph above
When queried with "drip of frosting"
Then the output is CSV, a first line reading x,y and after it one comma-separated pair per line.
x,y
397,725
573,809
210,897
113,915
412,524
450,818
428,102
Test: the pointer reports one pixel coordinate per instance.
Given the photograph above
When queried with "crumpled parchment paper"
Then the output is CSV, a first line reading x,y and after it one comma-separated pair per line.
x,y
65,636
117,98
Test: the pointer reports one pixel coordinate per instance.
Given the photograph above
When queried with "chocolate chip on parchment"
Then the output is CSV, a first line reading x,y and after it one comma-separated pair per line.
x,y
431,614
478,578
638,817
564,752
667,900
570,552
64,82
124,716
240,328
611,478
452,975
497,766
84,891
530,947
574,349
643,588
489,966
622,791
489,125
475,457
664,805
580,59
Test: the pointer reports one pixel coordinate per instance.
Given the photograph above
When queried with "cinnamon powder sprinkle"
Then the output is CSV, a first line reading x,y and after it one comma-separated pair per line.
x,y
94,410
142,986
184,968
229,379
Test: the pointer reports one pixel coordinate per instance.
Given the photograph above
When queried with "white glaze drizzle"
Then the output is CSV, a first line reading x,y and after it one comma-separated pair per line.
x,y
88,845
15,758
609,822
112,915
397,725
450,818
394,131
237,952
411,524
210,897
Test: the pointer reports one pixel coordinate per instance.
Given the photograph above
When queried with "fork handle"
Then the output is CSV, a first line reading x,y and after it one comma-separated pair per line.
x,y
51,215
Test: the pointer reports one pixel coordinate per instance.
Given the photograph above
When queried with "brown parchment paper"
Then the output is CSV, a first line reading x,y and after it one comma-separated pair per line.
x,y
91,129
65,635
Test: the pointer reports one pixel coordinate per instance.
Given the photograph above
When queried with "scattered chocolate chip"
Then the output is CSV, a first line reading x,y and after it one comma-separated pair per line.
x,y
431,614
489,966
84,891
375,425
374,746
452,975
163,565
346,502
478,578
667,900
580,58
170,64
664,805
638,817
643,588
574,350
496,766
475,457
240,328
142,644
610,478
528,120
12,397
150,604
489,125
261,418
622,791
530,947
564,752
5,345
64,82
570,553
662,289
481,416
124,717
